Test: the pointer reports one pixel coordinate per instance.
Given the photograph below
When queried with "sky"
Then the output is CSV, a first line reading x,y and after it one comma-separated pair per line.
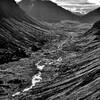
x,y
18,0
82,6
95,2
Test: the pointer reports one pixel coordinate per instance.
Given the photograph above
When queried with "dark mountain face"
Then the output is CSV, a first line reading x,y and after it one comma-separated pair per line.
x,y
97,25
8,8
92,16
18,32
46,10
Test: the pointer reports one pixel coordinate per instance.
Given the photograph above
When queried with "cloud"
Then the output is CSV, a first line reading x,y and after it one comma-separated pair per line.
x,y
18,0
97,2
78,5
71,1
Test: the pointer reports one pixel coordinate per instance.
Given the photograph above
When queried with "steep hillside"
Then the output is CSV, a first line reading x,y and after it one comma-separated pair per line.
x,y
18,32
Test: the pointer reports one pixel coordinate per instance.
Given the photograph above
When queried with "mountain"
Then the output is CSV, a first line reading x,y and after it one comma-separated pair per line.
x,y
18,32
92,16
46,10
7,11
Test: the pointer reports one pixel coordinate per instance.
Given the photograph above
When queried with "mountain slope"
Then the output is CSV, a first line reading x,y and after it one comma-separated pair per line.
x,y
18,32
92,16
46,10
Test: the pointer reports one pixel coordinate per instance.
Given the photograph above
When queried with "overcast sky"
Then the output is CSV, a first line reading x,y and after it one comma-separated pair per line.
x,y
82,6
78,2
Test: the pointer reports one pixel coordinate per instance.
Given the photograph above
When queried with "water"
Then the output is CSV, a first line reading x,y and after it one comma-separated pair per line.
x,y
35,79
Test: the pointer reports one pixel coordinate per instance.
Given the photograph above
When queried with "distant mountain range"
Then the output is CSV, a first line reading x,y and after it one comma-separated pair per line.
x,y
46,10
18,32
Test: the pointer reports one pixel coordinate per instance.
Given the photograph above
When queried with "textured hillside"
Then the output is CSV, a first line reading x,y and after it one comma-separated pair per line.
x,y
71,68
71,72
40,64
46,10
18,32
16,37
